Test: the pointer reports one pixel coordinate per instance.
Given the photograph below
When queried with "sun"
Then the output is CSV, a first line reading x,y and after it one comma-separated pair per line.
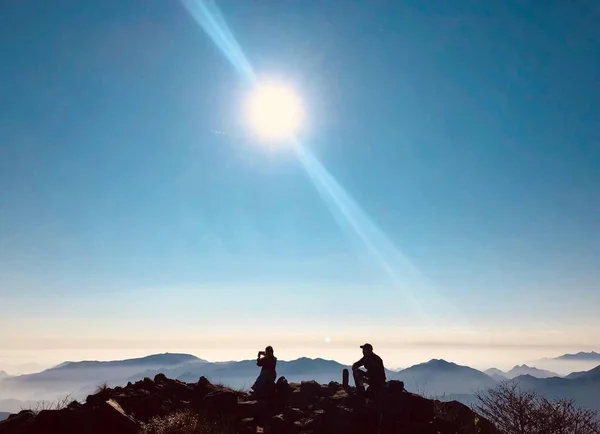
x,y
274,111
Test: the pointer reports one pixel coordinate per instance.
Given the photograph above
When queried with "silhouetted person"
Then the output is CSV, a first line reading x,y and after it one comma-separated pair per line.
x,y
265,383
374,376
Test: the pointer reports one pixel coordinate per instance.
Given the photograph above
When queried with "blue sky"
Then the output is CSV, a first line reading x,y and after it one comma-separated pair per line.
x,y
467,133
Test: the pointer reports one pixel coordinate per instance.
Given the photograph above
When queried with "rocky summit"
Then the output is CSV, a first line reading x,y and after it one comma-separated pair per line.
x,y
307,407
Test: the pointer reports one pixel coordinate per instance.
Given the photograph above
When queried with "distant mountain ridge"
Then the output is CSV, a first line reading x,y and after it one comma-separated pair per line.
x,y
580,356
496,374
81,378
165,359
584,388
519,370
436,377
592,374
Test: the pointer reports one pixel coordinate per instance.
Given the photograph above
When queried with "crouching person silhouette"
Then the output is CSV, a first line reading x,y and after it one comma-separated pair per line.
x,y
264,386
374,376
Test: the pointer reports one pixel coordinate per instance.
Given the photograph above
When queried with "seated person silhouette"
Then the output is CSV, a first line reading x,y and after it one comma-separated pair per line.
x,y
374,376
264,386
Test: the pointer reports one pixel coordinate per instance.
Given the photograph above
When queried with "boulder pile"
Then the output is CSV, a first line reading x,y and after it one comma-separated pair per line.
x,y
307,407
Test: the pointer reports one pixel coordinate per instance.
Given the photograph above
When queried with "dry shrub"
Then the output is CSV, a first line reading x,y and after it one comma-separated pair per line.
x,y
517,411
186,422
57,404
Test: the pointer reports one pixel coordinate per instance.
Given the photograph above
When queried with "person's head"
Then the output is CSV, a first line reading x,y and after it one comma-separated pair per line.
x,y
367,349
269,350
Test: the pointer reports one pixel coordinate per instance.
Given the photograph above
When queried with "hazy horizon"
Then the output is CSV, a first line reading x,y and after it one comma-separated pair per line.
x,y
438,198
477,356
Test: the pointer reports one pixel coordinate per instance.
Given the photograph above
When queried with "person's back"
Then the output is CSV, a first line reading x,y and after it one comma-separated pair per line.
x,y
268,366
374,367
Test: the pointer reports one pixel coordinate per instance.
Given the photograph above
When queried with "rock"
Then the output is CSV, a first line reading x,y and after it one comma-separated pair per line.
x,y
203,382
340,420
395,386
111,418
160,378
74,405
249,409
338,399
221,402
311,389
17,423
98,398
334,386
282,388
203,387
248,425
147,384
443,427
64,421
292,414
146,408
277,422
461,415
410,407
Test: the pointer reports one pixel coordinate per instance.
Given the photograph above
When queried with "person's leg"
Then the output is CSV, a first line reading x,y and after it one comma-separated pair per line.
x,y
259,386
360,378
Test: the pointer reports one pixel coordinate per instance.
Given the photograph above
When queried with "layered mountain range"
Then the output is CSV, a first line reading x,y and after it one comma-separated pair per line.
x,y
435,378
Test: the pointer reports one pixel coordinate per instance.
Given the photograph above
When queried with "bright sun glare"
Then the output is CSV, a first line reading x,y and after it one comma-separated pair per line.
x,y
274,111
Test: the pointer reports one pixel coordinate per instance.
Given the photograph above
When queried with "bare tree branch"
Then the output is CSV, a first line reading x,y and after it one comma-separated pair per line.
x,y
517,411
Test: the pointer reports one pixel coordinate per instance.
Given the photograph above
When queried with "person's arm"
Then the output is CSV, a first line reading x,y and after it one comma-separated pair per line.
x,y
358,364
259,360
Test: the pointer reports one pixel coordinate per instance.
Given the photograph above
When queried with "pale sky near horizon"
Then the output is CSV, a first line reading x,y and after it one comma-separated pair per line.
x,y
456,217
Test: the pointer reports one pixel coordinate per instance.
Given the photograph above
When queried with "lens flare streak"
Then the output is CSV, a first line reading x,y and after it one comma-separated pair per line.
x,y
402,273
208,16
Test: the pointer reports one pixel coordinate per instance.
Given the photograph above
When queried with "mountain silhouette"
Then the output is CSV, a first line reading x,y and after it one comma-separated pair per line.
x,y
519,370
591,375
4,375
574,375
166,359
581,356
496,374
80,377
438,377
530,370
585,388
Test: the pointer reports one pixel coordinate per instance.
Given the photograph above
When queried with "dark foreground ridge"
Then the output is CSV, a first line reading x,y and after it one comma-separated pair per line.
x,y
307,407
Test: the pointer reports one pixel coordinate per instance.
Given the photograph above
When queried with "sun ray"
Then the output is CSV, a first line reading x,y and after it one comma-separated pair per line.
x,y
418,293
207,14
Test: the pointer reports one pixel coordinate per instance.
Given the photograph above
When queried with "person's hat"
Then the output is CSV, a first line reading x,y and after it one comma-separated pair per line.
x,y
367,347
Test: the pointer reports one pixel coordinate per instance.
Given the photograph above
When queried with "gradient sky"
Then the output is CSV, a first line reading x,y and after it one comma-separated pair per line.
x,y
138,213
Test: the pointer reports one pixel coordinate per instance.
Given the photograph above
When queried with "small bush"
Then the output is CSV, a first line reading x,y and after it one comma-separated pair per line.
x,y
186,422
57,404
102,387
